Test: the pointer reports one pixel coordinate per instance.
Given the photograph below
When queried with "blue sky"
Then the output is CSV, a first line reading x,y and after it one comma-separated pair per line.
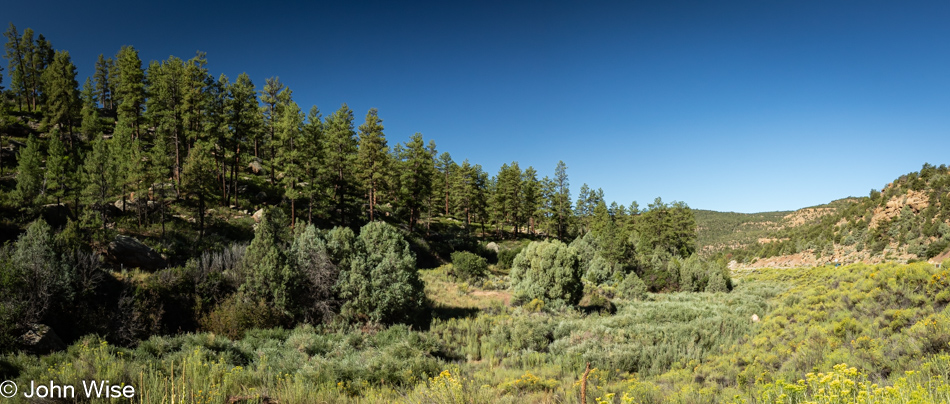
x,y
740,106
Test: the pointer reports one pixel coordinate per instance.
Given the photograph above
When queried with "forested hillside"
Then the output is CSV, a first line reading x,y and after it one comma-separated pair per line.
x,y
717,231
157,198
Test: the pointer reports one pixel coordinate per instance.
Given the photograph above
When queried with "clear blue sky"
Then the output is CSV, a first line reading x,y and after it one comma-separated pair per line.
x,y
734,106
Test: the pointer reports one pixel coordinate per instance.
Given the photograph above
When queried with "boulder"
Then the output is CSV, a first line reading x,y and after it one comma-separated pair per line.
x,y
492,246
42,340
256,167
259,215
131,253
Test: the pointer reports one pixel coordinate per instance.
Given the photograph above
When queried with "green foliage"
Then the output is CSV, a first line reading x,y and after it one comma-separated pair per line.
x,y
667,227
468,266
381,284
29,178
316,276
547,270
239,313
267,277
717,231
632,287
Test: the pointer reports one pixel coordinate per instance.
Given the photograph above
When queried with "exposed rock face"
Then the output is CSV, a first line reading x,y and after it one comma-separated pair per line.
x,y
42,340
916,200
802,216
259,215
131,253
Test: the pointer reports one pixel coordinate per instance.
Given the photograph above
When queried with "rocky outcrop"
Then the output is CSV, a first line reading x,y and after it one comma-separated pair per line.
x,y
42,340
916,200
128,252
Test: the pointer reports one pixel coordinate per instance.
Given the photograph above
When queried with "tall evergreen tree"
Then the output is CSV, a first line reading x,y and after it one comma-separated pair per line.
x,y
90,125
17,64
275,95
196,100
43,55
30,72
339,150
164,106
372,159
214,126
101,77
99,170
59,170
199,179
130,90
562,198
312,148
530,200
244,120
159,171
62,93
290,156
29,176
417,170
446,167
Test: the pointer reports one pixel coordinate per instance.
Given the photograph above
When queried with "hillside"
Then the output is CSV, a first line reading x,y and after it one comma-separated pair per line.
x,y
717,231
908,220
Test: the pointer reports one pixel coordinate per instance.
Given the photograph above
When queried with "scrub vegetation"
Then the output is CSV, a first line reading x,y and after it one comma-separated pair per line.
x,y
206,241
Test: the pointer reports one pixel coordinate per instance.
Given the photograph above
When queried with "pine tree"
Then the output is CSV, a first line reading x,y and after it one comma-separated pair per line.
x,y
43,56
339,150
62,94
214,126
530,200
90,125
99,171
447,168
130,90
17,64
275,96
59,169
461,191
199,180
196,99
127,153
290,157
562,199
372,159
29,176
244,118
164,105
101,77
159,171
312,150
417,169
30,73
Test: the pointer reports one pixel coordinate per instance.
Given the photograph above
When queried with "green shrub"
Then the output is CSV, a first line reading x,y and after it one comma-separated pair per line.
x,y
547,270
381,284
632,287
238,314
267,276
467,266
507,257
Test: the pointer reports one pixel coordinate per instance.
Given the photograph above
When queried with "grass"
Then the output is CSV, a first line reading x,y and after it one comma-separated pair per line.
x,y
852,334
